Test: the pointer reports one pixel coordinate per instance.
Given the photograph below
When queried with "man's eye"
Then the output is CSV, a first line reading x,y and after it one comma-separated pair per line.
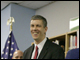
x,y
32,25
38,25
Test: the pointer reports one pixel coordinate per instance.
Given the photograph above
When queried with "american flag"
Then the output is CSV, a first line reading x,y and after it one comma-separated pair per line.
x,y
10,47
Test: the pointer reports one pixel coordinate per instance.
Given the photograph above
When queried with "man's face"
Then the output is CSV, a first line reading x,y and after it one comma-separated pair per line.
x,y
37,29
18,55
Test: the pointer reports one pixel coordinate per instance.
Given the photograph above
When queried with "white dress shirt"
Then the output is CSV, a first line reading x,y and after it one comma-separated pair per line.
x,y
40,46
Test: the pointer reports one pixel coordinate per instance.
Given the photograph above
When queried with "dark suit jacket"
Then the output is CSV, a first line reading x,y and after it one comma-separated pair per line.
x,y
50,51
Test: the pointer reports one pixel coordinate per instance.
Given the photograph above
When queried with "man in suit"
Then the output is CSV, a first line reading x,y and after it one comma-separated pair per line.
x,y
17,54
46,49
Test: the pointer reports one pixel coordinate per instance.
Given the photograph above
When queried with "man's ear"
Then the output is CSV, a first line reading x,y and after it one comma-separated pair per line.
x,y
46,28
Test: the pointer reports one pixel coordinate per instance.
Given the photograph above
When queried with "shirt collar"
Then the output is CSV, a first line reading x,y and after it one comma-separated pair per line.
x,y
41,44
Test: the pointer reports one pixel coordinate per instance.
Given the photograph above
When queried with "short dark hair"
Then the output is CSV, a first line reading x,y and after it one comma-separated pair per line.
x,y
39,17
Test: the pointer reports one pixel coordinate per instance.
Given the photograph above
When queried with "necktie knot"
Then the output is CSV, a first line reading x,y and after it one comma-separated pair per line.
x,y
36,48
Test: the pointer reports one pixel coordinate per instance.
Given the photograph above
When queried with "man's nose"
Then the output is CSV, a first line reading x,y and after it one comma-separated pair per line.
x,y
35,28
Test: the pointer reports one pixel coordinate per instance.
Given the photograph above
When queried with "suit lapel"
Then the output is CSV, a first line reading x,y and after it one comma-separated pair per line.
x,y
31,50
44,50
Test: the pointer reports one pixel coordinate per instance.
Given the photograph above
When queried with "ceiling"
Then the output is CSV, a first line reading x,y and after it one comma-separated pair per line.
x,y
29,4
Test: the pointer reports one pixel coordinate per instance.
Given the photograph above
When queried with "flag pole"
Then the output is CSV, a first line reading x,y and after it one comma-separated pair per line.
x,y
11,44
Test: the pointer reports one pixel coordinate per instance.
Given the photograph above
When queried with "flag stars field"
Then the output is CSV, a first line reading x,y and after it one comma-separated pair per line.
x,y
6,53
7,47
8,41
12,43
10,47
10,54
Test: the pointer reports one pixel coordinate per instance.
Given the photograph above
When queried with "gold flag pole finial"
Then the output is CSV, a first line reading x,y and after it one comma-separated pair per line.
x,y
10,22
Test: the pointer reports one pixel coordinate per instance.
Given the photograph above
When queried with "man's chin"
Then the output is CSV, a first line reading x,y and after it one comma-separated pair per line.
x,y
35,38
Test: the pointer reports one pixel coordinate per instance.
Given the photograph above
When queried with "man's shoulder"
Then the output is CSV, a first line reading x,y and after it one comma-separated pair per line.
x,y
48,40
29,48
52,44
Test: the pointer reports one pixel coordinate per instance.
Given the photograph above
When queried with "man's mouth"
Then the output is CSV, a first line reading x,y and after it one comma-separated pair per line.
x,y
35,33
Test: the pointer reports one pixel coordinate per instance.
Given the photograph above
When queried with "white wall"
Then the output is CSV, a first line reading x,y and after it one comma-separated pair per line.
x,y
58,15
